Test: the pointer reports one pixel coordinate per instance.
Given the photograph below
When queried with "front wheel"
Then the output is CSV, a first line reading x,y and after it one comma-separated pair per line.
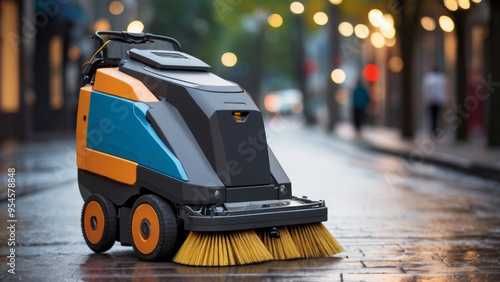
x,y
99,223
153,228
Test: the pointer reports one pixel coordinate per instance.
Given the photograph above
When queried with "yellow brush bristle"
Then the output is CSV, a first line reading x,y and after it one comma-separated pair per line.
x,y
314,240
222,248
281,248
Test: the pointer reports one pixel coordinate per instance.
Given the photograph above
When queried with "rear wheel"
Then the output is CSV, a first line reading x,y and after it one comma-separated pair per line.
x,y
153,228
99,223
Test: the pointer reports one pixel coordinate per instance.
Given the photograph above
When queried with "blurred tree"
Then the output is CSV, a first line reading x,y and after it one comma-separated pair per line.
x,y
494,81
208,29
461,71
406,14
332,88
299,57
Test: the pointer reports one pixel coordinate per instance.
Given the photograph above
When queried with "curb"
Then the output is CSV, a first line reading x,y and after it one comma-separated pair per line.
x,y
446,160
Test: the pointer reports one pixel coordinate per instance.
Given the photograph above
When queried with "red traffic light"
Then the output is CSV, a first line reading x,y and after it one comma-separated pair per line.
x,y
371,72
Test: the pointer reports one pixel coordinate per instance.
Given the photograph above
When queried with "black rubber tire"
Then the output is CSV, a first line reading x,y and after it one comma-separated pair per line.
x,y
108,237
167,228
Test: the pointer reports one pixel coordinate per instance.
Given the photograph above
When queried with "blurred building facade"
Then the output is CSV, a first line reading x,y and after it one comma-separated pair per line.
x,y
43,45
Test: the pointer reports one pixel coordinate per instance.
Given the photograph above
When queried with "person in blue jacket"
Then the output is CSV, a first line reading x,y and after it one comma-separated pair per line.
x,y
360,101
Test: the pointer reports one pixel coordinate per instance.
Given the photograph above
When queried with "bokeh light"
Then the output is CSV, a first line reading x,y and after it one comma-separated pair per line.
x,y
464,4
275,20
477,1
335,2
102,24
346,29
342,96
361,31
390,42
135,27
338,76
229,59
428,23
446,23
389,33
395,64
116,8
74,53
320,18
371,73
272,103
377,40
297,8
376,17
451,5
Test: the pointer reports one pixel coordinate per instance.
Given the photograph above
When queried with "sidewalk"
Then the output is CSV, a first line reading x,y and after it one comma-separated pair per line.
x,y
38,164
472,157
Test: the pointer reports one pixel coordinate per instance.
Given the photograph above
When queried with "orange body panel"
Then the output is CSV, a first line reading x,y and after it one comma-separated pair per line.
x,y
81,125
116,168
114,82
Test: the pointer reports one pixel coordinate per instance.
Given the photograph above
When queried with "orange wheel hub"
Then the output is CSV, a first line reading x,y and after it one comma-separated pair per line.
x,y
145,229
94,222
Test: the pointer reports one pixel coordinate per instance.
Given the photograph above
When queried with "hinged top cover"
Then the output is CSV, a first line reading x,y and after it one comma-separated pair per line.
x,y
168,60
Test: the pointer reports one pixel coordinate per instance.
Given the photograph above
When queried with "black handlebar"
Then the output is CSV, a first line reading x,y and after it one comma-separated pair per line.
x,y
135,38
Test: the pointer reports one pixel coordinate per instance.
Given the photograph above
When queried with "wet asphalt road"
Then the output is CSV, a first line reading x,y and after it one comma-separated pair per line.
x,y
395,220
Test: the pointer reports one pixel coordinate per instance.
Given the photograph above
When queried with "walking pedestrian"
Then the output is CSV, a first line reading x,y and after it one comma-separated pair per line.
x,y
434,88
360,101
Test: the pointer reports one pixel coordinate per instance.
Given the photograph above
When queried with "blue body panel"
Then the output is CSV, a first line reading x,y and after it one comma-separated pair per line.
x,y
119,127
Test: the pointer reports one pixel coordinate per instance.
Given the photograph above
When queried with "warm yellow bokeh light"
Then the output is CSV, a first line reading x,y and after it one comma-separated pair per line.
x,y
446,23
342,96
116,8
102,24
361,31
229,59
376,17
428,23
346,29
387,23
320,18
135,27
377,40
338,76
335,2
476,1
74,53
275,20
451,5
389,33
395,64
390,42
464,4
297,8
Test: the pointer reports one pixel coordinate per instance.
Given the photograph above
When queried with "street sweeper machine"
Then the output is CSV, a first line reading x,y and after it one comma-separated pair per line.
x,y
173,160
